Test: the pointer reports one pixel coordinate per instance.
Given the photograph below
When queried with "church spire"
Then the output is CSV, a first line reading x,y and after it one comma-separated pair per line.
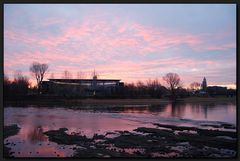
x,y
204,84
94,74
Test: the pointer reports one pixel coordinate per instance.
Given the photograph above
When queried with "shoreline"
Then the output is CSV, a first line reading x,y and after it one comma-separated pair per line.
x,y
160,141
94,101
157,101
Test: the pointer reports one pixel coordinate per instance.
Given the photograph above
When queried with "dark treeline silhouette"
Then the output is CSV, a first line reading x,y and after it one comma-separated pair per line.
x,y
150,89
20,87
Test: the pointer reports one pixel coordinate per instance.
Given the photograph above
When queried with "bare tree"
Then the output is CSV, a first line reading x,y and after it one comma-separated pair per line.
x,y
67,75
195,86
80,75
154,87
18,75
156,84
140,87
38,71
130,89
6,86
20,83
139,84
173,81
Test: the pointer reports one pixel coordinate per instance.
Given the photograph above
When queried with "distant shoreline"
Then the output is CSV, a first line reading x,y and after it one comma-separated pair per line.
x,y
92,101
153,101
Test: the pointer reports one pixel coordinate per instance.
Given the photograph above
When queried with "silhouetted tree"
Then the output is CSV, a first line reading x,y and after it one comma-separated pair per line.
x,y
80,75
6,86
67,75
38,71
182,92
18,87
20,84
130,90
195,86
173,81
154,88
141,89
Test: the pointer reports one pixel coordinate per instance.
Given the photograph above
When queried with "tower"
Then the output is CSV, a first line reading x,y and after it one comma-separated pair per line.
x,y
204,84
94,75
94,82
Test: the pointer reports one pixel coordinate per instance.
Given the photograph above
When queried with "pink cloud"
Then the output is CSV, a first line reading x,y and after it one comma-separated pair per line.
x,y
97,40
99,35
129,71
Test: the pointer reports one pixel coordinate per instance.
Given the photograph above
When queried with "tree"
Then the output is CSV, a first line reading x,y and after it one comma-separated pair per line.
x,y
154,88
130,90
6,79
6,86
195,86
20,84
173,81
67,75
38,71
140,87
80,75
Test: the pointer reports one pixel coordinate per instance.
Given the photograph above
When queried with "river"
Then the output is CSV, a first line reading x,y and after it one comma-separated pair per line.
x,y
34,121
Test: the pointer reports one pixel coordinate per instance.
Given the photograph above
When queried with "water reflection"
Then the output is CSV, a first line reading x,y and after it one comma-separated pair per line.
x,y
177,109
36,135
91,117
141,109
35,121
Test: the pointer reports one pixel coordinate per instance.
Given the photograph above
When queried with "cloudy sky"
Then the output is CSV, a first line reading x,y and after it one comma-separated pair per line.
x,y
123,41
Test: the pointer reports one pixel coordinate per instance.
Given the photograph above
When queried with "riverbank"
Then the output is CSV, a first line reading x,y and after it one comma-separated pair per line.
x,y
155,101
91,101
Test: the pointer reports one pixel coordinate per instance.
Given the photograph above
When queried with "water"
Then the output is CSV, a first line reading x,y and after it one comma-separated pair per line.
x,y
31,142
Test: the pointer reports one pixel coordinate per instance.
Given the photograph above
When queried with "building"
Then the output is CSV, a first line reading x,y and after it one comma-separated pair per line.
x,y
204,85
217,90
81,87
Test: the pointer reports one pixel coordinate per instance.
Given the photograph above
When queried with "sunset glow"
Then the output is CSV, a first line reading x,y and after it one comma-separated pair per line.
x,y
123,41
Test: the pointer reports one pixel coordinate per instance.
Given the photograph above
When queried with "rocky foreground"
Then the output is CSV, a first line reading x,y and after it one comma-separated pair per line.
x,y
164,141
9,131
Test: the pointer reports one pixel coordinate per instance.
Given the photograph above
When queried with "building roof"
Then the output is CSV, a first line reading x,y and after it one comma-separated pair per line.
x,y
85,80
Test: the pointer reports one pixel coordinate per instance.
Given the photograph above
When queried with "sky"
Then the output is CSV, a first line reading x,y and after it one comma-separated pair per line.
x,y
130,42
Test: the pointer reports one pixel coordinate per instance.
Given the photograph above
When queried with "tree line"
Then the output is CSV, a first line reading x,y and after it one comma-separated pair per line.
x,y
20,85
